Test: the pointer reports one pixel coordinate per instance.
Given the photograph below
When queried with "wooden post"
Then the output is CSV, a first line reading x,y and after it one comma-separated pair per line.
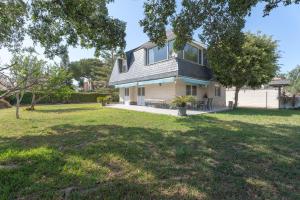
x,y
279,95
266,99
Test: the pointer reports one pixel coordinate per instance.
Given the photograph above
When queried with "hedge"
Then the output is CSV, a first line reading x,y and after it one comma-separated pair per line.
x,y
75,97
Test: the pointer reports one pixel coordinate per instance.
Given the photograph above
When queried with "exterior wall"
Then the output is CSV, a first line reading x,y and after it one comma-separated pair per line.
x,y
163,92
217,100
260,98
201,91
139,69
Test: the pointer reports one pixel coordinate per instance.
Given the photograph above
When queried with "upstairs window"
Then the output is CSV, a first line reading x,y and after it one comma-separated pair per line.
x,y
191,90
200,57
157,54
191,53
122,66
205,62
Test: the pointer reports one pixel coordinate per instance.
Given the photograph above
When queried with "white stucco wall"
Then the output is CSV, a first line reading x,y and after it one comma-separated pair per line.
x,y
170,90
260,98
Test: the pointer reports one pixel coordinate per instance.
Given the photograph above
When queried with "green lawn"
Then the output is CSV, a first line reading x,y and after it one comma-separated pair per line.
x,y
85,152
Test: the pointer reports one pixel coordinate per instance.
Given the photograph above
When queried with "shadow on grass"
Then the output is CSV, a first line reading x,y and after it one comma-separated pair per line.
x,y
64,110
213,159
262,112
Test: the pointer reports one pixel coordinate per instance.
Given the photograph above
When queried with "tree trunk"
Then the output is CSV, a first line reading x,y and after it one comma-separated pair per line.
x,y
33,102
236,97
19,97
18,105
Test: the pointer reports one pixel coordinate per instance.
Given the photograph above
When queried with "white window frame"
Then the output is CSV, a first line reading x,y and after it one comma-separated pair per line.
x,y
191,90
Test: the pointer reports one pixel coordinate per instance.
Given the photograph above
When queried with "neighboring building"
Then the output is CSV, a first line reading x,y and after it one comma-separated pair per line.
x,y
151,74
264,97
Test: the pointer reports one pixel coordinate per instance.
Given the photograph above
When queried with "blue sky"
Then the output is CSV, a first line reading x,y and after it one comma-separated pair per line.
x,y
283,24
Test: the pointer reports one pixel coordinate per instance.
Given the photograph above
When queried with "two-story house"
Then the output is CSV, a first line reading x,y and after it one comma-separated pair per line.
x,y
152,74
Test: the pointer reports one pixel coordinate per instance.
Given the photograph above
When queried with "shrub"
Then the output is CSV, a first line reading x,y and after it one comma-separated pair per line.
x,y
104,100
181,101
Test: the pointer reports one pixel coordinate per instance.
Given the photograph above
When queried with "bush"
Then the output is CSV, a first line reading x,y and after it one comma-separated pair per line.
x,y
104,100
74,97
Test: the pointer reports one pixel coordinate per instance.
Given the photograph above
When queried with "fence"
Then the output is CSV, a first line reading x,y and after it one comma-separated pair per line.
x,y
259,98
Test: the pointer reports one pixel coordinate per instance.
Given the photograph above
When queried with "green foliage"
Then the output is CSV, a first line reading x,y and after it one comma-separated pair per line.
x,y
12,20
256,63
181,101
92,69
56,25
217,19
104,100
67,97
294,77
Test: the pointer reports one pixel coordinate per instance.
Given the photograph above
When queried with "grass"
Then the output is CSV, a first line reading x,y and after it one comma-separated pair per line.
x,y
85,152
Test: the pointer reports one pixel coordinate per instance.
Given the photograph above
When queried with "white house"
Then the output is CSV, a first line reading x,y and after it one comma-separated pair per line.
x,y
150,75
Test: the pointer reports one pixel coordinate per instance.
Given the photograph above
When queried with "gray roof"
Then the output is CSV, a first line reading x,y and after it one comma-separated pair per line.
x,y
139,71
279,82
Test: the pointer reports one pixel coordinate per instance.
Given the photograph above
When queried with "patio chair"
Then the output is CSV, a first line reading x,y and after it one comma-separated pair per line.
x,y
209,104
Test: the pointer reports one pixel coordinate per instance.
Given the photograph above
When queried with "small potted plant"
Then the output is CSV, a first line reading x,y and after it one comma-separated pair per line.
x,y
103,100
180,102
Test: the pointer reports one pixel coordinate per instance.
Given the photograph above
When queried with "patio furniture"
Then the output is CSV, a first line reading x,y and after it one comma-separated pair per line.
x,y
209,104
156,103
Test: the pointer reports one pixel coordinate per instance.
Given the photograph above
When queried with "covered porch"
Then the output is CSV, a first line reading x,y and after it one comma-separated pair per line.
x,y
159,93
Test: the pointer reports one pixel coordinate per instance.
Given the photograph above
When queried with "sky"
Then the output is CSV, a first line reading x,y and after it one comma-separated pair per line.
x,y
283,24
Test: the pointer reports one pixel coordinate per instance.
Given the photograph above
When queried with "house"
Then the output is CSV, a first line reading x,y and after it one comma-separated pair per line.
x,y
150,74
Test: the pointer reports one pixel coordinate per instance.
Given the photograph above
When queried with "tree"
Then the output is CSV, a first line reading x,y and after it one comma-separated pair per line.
x,y
294,77
24,75
256,63
55,25
53,83
96,71
218,19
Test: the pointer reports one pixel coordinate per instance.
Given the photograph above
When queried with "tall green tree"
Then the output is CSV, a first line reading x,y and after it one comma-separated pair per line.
x,y
217,18
94,70
56,25
294,77
256,63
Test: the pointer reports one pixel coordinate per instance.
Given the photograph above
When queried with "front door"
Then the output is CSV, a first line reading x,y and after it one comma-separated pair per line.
x,y
126,96
141,96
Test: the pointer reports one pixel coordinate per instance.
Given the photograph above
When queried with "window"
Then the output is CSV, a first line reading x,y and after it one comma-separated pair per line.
x,y
141,91
191,53
217,91
126,92
157,54
205,63
122,66
191,90
200,57
188,90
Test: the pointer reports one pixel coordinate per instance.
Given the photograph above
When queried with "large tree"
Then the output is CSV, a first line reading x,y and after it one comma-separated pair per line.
x,y
94,70
217,18
254,64
57,24
294,77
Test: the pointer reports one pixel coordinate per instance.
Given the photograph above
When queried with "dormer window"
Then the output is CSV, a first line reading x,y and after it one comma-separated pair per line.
x,y
122,65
